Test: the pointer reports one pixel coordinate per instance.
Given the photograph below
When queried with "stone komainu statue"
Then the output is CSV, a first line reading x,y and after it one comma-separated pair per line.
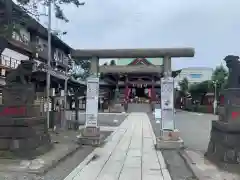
x,y
233,64
22,74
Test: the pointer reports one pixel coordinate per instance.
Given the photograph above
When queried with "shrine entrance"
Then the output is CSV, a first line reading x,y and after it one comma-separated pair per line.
x,y
140,94
139,79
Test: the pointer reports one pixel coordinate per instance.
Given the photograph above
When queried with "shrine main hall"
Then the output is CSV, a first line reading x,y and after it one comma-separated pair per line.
x,y
135,77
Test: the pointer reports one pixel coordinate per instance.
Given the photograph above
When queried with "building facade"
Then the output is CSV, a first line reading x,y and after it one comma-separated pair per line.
x,y
30,42
194,75
136,77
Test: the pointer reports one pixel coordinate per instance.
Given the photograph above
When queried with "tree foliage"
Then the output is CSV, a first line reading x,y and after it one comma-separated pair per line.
x,y
219,77
81,69
112,62
32,6
13,20
184,86
200,89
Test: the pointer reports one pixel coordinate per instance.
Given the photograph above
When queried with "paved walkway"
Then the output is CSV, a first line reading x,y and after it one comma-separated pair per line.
x,y
128,154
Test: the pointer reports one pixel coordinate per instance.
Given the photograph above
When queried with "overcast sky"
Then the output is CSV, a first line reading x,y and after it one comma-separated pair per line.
x,y
212,27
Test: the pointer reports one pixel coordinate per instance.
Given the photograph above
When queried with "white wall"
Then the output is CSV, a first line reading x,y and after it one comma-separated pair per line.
x,y
194,75
7,53
10,58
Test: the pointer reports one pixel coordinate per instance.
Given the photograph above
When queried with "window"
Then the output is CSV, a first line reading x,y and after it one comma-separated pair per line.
x,y
82,104
195,76
3,72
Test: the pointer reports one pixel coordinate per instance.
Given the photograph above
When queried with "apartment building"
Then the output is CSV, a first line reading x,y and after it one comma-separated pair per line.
x,y
31,43
194,75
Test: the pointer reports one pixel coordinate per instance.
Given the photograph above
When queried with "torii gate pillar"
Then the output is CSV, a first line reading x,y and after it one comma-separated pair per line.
x,y
94,61
167,66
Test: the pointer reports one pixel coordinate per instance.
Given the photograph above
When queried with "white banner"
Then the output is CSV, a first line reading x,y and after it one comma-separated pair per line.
x,y
167,91
92,102
167,103
168,120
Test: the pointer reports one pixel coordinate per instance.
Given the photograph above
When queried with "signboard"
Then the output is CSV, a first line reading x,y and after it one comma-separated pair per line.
x,y
158,113
92,102
167,103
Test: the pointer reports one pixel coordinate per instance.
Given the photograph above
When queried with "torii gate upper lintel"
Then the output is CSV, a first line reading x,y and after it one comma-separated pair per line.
x,y
166,53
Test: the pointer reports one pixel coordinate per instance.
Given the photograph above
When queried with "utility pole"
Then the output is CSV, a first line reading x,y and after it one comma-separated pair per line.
x,y
49,58
65,100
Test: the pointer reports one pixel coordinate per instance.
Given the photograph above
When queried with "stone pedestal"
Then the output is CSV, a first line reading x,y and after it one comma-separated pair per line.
x,y
90,136
224,145
169,140
23,131
15,94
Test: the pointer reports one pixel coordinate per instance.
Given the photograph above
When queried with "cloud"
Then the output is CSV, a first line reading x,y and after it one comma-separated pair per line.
x,y
211,27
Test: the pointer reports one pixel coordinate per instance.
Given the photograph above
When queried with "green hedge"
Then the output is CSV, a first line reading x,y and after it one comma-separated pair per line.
x,y
204,109
199,108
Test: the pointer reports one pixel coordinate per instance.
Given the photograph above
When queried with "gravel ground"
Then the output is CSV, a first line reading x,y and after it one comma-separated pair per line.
x,y
66,166
175,163
176,166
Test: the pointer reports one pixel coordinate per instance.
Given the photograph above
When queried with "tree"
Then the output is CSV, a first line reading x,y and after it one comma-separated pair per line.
x,y
81,69
199,90
219,77
183,86
31,6
12,21
112,62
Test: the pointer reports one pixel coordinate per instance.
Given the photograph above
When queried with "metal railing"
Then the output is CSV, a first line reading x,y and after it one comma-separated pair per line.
x,y
22,38
12,63
9,62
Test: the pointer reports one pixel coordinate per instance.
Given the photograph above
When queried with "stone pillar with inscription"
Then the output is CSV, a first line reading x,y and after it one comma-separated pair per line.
x,y
224,145
23,129
169,136
91,133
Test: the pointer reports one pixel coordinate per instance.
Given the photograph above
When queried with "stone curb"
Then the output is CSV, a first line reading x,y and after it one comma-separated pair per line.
x,y
203,170
191,165
161,160
55,162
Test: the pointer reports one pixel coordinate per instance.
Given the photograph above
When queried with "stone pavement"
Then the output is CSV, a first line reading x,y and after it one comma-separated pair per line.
x,y
128,154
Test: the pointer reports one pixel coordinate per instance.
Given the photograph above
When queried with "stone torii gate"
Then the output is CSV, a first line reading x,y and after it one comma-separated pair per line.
x,y
166,53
